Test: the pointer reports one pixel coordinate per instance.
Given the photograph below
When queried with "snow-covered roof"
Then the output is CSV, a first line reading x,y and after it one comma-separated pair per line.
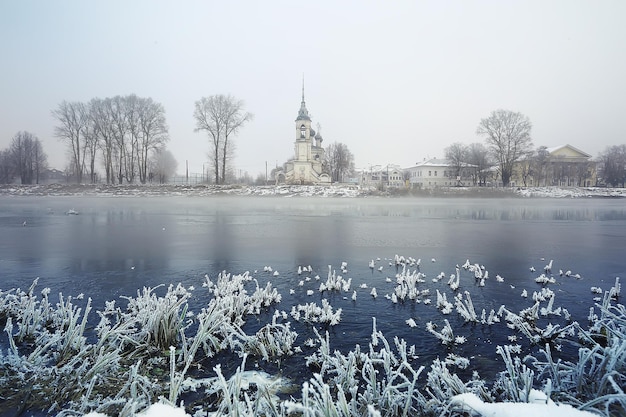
x,y
554,149
433,162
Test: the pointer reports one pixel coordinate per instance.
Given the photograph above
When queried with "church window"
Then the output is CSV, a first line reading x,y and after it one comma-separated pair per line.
x,y
303,131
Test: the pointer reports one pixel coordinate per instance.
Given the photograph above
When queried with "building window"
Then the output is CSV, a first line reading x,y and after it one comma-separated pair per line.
x,y
303,131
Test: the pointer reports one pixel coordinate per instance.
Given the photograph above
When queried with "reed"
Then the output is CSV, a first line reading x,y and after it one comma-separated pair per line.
x,y
121,367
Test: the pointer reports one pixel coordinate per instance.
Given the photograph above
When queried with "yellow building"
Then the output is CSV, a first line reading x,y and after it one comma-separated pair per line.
x,y
564,166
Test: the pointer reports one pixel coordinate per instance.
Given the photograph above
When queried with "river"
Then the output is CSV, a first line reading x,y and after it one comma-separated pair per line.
x,y
117,245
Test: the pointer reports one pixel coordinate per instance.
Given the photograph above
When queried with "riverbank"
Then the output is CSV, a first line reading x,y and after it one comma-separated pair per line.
x,y
342,191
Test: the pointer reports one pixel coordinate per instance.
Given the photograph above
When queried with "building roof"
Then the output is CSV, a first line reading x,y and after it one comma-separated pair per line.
x,y
433,162
557,148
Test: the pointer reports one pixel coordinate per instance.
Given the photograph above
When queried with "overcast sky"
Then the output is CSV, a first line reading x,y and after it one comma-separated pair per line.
x,y
396,82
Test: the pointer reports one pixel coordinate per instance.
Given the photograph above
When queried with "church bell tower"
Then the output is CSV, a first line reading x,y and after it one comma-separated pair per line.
x,y
307,166
304,134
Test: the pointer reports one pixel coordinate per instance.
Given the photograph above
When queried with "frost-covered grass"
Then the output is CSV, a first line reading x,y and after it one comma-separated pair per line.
x,y
152,348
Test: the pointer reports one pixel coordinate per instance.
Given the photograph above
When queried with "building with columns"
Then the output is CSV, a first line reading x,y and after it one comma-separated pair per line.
x,y
307,165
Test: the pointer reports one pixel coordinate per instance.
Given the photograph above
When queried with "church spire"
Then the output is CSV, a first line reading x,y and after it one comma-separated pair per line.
x,y
303,113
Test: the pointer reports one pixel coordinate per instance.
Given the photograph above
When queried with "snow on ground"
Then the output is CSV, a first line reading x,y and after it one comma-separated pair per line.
x,y
342,190
574,192
538,406
155,410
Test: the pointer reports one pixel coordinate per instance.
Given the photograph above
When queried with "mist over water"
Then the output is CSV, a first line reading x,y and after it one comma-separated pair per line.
x,y
116,246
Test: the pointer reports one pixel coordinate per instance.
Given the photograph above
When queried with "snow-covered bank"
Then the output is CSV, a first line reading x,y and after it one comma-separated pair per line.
x,y
299,191
137,190
571,192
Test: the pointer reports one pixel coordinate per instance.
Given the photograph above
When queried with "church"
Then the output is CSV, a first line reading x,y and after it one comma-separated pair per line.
x,y
307,166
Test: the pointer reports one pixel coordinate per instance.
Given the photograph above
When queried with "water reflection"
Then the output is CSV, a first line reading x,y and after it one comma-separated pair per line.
x,y
137,239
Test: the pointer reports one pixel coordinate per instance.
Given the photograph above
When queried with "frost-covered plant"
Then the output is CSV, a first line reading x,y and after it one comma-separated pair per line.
x,y
408,281
272,341
68,317
443,384
549,309
616,289
466,308
446,335
157,321
31,315
491,319
318,400
335,282
383,378
597,378
312,313
456,360
544,279
125,367
443,303
525,323
119,368
233,288
235,398
517,381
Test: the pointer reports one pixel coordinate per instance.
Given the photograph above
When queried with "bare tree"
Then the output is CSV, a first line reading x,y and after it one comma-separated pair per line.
x,y
208,118
457,154
72,117
508,135
525,167
478,159
90,139
100,114
221,117
19,152
153,133
6,167
39,160
613,165
234,118
126,129
540,165
120,133
583,172
339,161
163,165
27,157
132,105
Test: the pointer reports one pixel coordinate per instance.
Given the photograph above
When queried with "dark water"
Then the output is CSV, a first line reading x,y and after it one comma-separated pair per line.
x,y
118,245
